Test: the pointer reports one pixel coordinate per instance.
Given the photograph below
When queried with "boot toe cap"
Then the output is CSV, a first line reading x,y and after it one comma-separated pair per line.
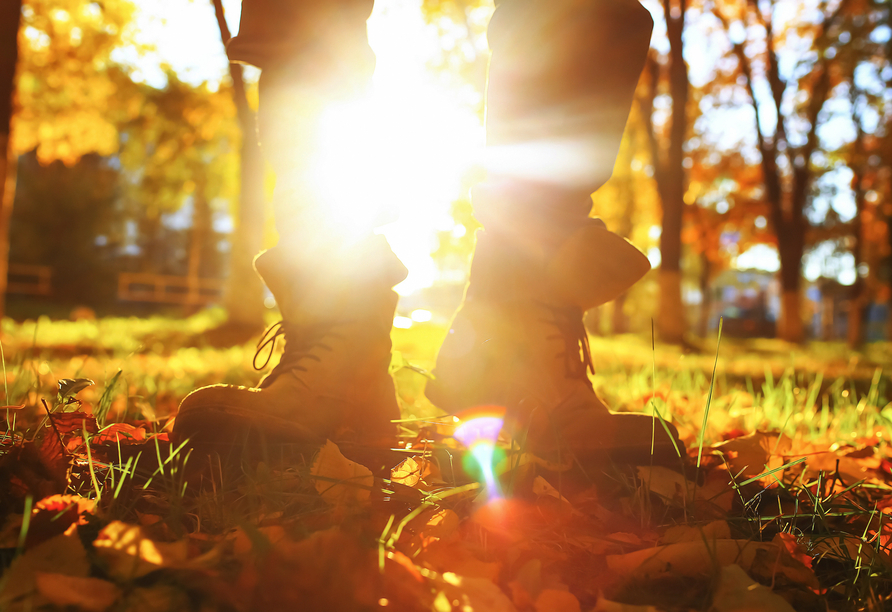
x,y
226,415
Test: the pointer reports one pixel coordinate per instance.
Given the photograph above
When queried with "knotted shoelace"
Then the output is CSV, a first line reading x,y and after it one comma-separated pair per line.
x,y
300,342
577,353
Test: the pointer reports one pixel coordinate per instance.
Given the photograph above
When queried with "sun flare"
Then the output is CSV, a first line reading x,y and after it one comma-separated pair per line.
x,y
409,144
432,135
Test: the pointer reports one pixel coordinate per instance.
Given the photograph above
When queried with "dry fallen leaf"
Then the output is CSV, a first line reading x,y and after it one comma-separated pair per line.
x,y
553,600
157,598
717,490
55,514
666,483
474,594
89,594
120,433
454,556
408,472
442,524
699,558
527,584
621,537
716,530
74,422
605,605
333,570
338,480
848,548
737,592
542,487
129,554
794,548
63,554
54,458
756,453
243,544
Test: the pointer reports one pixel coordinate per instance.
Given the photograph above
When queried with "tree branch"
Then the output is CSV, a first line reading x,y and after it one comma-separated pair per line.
x,y
245,114
767,150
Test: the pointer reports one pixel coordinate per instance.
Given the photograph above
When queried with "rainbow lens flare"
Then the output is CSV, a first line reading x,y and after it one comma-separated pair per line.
x,y
478,430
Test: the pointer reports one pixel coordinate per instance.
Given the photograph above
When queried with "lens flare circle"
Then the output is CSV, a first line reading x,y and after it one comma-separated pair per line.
x,y
479,431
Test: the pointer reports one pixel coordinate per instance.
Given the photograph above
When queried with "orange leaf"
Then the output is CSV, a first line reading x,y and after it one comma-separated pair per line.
x,y
53,515
552,600
53,456
788,541
408,472
91,594
123,433
74,422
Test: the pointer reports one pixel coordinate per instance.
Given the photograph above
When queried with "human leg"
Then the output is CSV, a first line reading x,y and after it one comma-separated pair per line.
x,y
560,87
333,287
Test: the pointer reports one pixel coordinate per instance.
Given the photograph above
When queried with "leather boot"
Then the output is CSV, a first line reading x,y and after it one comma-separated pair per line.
x,y
519,342
561,82
332,381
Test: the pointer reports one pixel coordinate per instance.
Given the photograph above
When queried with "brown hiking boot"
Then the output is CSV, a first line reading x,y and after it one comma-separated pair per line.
x,y
561,82
332,381
519,342
332,280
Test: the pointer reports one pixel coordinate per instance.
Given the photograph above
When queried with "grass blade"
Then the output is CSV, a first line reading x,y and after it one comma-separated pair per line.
x,y
770,472
709,397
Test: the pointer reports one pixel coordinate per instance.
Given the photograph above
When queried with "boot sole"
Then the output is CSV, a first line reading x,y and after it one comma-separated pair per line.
x,y
225,426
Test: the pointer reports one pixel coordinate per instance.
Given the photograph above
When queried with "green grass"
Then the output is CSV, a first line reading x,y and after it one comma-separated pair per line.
x,y
762,384
821,398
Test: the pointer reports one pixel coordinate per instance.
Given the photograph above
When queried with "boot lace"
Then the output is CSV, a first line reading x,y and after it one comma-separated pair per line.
x,y
298,347
577,354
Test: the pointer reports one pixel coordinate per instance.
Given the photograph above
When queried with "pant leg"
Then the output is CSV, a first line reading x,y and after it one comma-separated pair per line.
x,y
560,87
314,55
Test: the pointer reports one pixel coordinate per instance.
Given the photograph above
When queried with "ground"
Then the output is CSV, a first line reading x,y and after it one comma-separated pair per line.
x,y
780,502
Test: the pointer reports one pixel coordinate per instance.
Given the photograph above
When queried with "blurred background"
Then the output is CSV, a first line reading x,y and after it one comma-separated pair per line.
x,y
756,171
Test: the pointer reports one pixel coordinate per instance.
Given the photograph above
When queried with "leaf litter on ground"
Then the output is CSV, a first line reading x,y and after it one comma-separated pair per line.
x,y
787,511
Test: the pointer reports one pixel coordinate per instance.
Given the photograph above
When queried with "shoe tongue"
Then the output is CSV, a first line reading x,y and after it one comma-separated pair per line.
x,y
332,281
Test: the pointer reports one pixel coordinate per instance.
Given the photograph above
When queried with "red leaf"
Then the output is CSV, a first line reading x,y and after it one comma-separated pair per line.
x,y
123,433
789,542
55,514
732,434
74,422
53,456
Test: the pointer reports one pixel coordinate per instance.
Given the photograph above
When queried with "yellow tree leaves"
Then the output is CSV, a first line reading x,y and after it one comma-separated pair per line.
x,y
73,98
68,92
182,140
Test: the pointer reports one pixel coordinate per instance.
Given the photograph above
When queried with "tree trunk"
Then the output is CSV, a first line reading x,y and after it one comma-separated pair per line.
x,y
858,297
244,292
790,323
670,320
10,16
855,323
201,225
790,326
787,218
671,183
626,196
620,322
